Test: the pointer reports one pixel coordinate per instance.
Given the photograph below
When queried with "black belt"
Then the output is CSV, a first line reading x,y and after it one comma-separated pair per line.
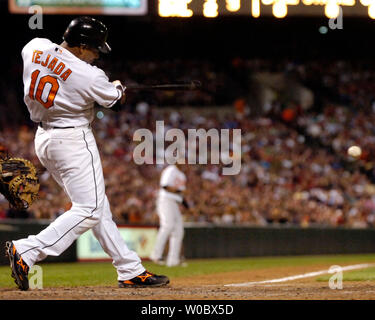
x,y
166,188
41,125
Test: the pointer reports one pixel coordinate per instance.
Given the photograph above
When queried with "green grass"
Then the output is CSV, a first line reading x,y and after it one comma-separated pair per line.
x,y
357,275
103,273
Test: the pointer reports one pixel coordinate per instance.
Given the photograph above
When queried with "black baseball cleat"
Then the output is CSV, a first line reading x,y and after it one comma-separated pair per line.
x,y
144,280
20,269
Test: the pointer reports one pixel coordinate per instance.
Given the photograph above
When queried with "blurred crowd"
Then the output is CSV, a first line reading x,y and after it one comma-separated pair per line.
x,y
295,167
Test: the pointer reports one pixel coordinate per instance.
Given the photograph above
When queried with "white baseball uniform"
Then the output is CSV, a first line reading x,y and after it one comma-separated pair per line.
x,y
60,92
170,218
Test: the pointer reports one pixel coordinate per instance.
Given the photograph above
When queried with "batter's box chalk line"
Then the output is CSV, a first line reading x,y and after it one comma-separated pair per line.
x,y
300,276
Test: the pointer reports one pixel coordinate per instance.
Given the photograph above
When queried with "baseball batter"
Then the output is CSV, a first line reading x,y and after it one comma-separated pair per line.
x,y
60,89
172,186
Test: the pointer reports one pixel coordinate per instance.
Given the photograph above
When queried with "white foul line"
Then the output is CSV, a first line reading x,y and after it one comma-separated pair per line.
x,y
300,276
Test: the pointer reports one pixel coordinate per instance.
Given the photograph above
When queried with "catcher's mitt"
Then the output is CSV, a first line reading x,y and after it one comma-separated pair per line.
x,y
19,182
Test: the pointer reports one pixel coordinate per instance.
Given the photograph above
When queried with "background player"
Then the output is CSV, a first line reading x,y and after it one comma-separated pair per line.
x,y
60,90
172,186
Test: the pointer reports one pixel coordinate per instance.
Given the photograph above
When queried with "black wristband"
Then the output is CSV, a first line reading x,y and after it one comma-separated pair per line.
x,y
117,106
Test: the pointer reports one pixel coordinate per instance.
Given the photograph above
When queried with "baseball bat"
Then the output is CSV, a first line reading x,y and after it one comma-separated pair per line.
x,y
192,85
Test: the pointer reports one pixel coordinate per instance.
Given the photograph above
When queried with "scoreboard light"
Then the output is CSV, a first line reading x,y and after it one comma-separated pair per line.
x,y
332,10
280,10
175,8
371,11
210,9
257,8
371,7
233,5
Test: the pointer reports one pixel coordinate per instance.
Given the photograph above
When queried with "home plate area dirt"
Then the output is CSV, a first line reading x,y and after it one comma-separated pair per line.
x,y
212,287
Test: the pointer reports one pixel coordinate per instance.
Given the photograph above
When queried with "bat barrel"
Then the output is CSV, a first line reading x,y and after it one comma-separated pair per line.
x,y
193,85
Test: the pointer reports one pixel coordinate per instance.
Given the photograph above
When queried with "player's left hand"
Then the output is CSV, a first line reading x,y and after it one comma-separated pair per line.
x,y
118,84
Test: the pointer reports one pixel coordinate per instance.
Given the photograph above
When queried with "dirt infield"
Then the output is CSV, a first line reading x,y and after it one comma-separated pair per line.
x,y
212,287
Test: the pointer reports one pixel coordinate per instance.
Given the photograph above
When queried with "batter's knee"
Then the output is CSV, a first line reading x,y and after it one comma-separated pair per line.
x,y
167,229
88,210
178,233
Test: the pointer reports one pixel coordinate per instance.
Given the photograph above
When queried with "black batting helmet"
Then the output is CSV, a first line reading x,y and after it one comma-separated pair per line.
x,y
87,31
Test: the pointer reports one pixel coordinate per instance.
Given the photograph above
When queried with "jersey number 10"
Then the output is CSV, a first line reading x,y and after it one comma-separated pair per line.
x,y
48,103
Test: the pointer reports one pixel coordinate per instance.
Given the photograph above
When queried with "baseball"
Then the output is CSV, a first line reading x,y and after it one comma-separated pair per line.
x,y
354,151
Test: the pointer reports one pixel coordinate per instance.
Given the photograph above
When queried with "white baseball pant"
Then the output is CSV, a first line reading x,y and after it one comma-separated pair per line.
x,y
72,157
172,228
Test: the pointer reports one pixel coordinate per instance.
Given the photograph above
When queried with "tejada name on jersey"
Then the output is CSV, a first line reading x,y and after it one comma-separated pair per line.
x,y
51,63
